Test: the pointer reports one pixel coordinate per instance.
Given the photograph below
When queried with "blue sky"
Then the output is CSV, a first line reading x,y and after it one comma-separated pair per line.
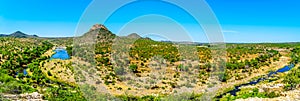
x,y
241,20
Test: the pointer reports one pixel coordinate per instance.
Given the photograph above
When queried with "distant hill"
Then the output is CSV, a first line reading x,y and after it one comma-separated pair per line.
x,y
19,34
104,33
134,35
3,35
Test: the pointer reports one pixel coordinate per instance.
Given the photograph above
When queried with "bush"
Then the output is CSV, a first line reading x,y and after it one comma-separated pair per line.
x,y
49,73
133,68
272,95
120,70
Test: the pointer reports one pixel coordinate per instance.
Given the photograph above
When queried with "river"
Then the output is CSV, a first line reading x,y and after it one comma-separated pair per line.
x,y
237,88
60,54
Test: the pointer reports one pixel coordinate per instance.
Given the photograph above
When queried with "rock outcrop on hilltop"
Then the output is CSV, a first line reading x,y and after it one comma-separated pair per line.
x,y
98,26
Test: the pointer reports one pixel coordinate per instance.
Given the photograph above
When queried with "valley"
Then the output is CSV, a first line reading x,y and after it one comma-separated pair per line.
x,y
100,65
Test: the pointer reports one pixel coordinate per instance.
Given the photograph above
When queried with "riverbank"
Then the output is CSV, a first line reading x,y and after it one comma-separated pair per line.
x,y
293,95
35,96
274,87
283,61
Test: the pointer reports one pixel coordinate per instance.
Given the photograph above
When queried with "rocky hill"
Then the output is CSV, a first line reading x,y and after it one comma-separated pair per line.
x,y
98,26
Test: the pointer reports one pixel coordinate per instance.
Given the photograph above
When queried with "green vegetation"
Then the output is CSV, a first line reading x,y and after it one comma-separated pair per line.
x,y
295,55
181,97
12,86
63,94
235,61
292,79
120,70
27,54
133,68
69,50
247,93
18,56
162,67
146,48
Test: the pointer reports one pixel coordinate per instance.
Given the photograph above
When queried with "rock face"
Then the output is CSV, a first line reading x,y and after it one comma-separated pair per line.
x,y
99,33
98,26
